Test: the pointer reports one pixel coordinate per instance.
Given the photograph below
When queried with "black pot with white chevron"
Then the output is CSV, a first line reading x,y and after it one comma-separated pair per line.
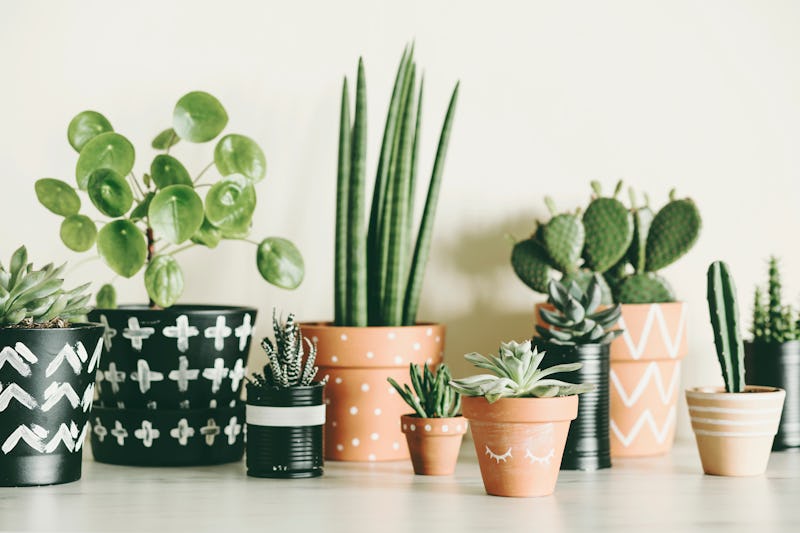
x,y
46,392
170,384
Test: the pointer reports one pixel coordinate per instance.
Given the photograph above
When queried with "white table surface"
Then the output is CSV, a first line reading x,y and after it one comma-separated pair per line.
x,y
656,494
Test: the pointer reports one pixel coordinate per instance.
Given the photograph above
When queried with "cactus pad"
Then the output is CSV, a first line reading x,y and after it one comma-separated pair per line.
x,y
673,232
642,219
530,262
644,288
563,237
583,278
609,230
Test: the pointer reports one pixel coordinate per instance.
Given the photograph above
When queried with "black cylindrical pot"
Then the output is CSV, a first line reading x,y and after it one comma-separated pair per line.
x,y
284,432
183,357
778,365
588,446
46,393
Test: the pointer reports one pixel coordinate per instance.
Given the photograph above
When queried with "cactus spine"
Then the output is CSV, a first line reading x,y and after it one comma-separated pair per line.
x,y
724,311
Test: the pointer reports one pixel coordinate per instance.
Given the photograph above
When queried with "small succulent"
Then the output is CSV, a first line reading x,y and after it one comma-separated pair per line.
x,y
772,320
516,374
724,312
576,319
432,397
287,365
35,298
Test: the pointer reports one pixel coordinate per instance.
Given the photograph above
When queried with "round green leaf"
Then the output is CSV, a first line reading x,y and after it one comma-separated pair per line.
x,y
166,139
237,154
207,235
163,280
122,246
57,196
166,170
176,213
280,263
106,297
198,117
85,126
230,204
109,192
107,150
78,232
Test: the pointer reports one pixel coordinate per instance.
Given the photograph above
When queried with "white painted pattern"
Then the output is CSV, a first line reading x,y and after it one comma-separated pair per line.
x,y
244,331
88,397
646,418
498,457
183,375
654,314
183,432
544,460
108,332
219,333
56,391
233,430
144,376
236,374
707,433
95,360
65,435
33,436
216,374
15,392
100,430
182,331
71,357
734,411
210,431
261,415
119,433
114,376
136,334
82,437
721,422
652,372
147,433
18,359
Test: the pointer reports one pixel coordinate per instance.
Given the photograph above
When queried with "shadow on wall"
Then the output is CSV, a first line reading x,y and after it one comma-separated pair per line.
x,y
480,256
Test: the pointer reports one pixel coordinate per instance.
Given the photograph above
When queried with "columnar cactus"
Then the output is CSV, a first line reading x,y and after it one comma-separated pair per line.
x,y
774,322
724,311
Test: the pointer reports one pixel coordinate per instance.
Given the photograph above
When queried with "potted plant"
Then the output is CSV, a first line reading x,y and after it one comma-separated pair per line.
x,y
285,411
773,356
47,365
520,417
435,429
173,373
378,275
734,426
576,332
629,247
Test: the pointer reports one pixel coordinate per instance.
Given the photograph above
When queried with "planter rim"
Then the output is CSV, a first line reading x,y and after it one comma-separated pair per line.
x,y
314,386
330,325
142,412
647,304
764,343
517,410
77,326
751,392
595,345
179,308
417,417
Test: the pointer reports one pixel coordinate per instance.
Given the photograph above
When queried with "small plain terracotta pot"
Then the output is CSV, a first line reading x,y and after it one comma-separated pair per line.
x,y
434,443
364,410
520,442
734,431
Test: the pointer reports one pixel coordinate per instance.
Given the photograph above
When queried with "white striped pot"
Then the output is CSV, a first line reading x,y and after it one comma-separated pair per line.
x,y
734,431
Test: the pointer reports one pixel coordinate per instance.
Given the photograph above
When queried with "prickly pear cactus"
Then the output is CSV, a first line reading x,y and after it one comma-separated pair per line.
x,y
673,232
530,262
642,220
563,238
609,231
644,288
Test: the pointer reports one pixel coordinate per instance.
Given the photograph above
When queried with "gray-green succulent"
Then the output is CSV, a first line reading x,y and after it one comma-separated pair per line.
x,y
37,297
516,374
432,395
152,217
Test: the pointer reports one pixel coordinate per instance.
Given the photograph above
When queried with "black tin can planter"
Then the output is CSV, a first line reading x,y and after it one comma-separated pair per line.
x,y
588,445
285,432
778,365
183,357
46,393
161,437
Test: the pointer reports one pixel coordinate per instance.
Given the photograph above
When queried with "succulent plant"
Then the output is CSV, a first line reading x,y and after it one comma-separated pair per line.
x,y
287,363
774,322
432,397
379,272
516,374
724,311
154,217
576,319
35,298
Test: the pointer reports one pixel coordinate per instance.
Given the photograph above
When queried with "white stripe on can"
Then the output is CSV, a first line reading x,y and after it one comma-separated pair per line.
x,y
261,415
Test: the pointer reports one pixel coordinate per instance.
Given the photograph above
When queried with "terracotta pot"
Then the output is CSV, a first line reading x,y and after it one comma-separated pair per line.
x,y
520,442
734,432
434,443
363,421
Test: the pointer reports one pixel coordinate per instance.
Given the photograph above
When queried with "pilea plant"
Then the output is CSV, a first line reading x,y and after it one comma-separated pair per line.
x,y
432,397
774,321
379,269
724,310
36,298
516,374
576,319
159,213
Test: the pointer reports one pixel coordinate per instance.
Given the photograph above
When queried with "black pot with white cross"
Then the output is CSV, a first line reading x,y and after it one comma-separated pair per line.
x,y
170,383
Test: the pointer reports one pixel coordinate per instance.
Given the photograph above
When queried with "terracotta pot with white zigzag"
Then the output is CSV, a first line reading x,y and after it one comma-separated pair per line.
x,y
645,378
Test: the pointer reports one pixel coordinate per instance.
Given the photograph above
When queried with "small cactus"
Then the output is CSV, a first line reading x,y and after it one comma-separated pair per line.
x,y
774,322
724,311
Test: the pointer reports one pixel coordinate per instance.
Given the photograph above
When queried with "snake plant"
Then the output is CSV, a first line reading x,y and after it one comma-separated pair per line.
x,y
432,397
379,271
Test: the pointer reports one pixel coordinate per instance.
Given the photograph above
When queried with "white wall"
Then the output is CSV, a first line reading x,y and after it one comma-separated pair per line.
x,y
698,95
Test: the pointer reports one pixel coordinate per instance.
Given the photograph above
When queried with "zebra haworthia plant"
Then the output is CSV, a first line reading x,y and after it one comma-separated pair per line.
x,y
379,268
724,311
154,216
35,298
432,397
516,374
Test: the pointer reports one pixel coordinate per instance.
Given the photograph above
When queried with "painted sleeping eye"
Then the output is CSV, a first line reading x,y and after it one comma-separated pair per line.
x,y
504,457
544,460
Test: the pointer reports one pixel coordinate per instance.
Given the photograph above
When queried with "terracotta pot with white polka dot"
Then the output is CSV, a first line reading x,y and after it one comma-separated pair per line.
x,y
363,421
434,443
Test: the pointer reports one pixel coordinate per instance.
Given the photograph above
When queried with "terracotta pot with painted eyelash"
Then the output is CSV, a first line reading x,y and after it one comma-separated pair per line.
x,y
520,442
363,420
434,443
